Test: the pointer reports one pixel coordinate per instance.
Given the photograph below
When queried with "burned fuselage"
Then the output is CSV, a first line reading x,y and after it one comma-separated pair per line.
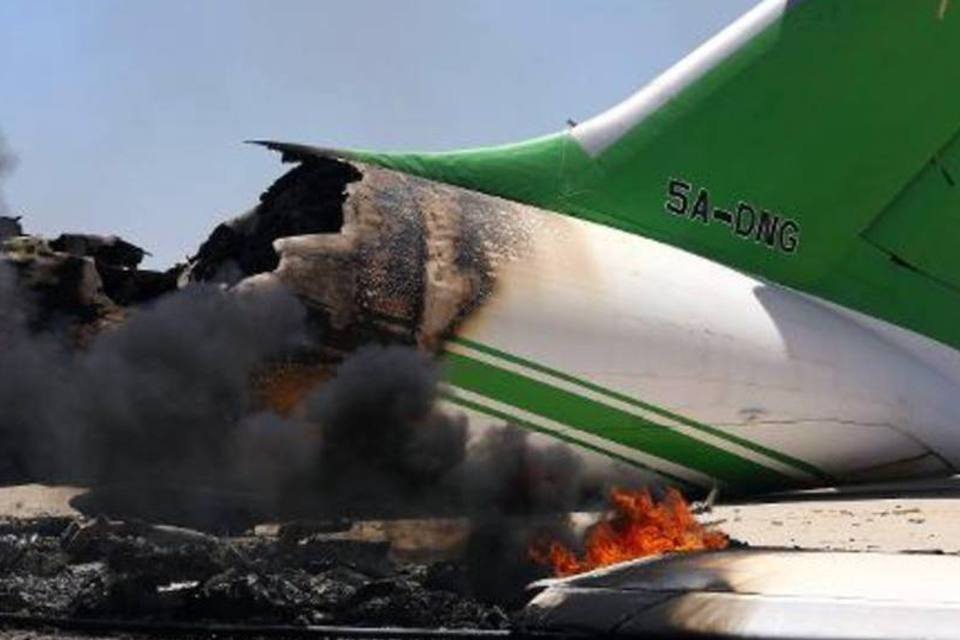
x,y
638,350
374,254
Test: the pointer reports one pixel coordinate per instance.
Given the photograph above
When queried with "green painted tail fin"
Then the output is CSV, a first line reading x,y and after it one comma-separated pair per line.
x,y
813,143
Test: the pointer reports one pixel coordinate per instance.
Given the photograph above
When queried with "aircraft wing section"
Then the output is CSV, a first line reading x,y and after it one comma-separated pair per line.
x,y
754,593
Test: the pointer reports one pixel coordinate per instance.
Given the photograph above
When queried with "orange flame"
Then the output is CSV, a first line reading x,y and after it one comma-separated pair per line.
x,y
636,526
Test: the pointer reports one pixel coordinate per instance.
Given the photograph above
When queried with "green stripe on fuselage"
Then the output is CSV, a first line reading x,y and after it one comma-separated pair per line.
x,y
513,419
610,423
743,442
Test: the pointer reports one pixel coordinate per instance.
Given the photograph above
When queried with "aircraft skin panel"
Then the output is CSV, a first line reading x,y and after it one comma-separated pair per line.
x,y
774,157
487,413
625,345
754,593
718,437
597,134
917,229
844,459
526,397
735,285
599,334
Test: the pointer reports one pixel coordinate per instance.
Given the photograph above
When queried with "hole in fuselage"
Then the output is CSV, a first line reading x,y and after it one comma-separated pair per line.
x,y
308,199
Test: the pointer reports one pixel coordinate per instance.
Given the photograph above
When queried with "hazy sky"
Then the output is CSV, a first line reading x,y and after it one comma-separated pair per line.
x,y
127,116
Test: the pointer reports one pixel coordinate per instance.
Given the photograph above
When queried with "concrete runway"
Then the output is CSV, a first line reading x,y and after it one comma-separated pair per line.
x,y
902,524
36,500
924,517
917,516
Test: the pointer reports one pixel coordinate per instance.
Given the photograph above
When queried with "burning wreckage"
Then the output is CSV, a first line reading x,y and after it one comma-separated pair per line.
x,y
264,446
236,389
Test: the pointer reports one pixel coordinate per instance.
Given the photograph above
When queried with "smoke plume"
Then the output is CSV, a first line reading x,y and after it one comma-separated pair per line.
x,y
385,446
153,400
163,402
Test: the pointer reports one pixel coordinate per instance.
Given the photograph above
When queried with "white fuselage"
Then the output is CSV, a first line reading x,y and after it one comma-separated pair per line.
x,y
854,397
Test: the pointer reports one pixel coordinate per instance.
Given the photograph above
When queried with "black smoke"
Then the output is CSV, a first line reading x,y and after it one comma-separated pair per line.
x,y
154,400
380,447
161,407
384,447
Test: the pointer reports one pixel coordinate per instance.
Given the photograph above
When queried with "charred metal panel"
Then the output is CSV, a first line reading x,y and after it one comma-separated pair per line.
x,y
374,254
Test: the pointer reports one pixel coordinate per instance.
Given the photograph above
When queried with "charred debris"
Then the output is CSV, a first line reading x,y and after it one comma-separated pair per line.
x,y
235,389
87,282
103,569
372,254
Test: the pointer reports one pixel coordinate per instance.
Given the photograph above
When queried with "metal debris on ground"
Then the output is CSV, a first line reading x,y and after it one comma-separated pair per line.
x,y
104,569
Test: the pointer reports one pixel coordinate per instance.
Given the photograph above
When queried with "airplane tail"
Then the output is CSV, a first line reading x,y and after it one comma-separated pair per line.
x,y
812,142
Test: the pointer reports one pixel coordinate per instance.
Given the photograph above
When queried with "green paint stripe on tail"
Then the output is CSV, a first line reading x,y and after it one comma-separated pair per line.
x,y
610,423
560,375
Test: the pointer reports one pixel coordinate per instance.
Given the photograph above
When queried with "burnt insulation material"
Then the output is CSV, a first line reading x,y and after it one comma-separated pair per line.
x,y
306,200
